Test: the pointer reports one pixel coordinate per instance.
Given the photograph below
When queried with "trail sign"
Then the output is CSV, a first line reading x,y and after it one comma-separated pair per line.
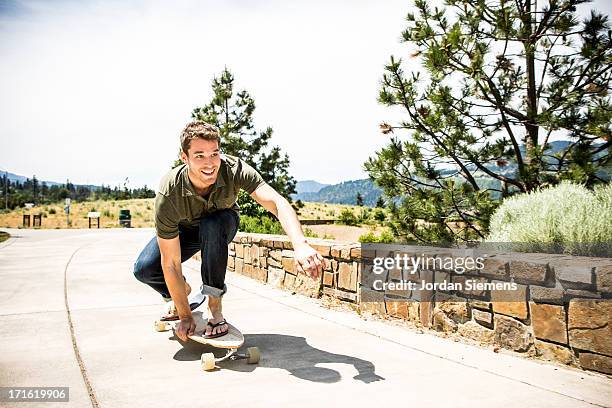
x,y
93,215
67,211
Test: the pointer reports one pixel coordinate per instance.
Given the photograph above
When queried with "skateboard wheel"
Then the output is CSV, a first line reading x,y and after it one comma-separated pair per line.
x,y
254,354
161,326
208,361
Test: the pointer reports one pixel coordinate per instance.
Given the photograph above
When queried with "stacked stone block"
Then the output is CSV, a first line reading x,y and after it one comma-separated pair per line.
x,y
560,311
270,259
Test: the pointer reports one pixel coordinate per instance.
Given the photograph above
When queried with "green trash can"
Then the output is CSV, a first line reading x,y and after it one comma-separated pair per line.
x,y
125,218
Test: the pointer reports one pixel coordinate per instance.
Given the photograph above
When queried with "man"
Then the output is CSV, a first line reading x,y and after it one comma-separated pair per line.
x,y
196,210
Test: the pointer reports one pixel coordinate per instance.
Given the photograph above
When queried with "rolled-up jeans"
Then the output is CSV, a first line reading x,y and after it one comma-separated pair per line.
x,y
215,232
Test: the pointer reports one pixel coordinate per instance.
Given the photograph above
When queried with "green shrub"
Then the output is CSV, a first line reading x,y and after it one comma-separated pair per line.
x,y
386,237
364,216
250,207
310,233
567,218
260,225
52,211
347,217
93,209
106,213
379,215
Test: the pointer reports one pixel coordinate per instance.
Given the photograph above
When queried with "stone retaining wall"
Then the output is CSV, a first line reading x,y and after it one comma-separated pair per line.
x,y
561,310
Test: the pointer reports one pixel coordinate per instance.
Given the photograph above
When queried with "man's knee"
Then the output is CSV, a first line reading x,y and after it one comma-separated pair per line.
x,y
143,271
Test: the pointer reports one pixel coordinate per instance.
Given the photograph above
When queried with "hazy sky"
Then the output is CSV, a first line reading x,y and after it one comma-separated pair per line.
x,y
96,91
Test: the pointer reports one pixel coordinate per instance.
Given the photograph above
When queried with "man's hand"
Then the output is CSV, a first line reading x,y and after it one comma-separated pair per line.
x,y
185,328
308,261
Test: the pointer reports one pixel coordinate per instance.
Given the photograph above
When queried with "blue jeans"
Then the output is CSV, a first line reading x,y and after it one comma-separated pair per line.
x,y
214,234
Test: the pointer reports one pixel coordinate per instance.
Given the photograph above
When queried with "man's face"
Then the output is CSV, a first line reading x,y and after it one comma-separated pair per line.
x,y
204,160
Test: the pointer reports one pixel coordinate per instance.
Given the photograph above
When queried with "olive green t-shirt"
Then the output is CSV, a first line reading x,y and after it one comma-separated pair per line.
x,y
177,202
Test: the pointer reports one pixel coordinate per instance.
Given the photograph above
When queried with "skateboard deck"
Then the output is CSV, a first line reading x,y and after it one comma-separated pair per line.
x,y
231,342
233,338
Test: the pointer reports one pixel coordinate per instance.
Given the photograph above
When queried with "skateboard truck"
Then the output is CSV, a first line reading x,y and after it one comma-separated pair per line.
x,y
252,356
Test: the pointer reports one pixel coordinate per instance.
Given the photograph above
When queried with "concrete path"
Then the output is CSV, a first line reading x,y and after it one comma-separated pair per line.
x,y
71,314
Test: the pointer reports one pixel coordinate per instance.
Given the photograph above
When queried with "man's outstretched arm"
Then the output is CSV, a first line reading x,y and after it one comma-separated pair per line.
x,y
307,259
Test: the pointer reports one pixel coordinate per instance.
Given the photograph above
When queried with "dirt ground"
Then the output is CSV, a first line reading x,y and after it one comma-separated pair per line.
x,y
341,232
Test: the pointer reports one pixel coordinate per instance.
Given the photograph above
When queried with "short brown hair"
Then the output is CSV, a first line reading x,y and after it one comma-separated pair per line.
x,y
198,130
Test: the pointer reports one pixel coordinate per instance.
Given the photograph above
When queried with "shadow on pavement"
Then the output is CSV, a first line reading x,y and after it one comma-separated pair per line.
x,y
290,353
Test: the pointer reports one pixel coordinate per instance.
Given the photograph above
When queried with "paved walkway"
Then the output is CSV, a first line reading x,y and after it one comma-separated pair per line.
x,y
71,314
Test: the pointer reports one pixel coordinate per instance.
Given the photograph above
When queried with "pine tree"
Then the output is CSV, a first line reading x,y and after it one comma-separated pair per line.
x,y
359,199
232,112
490,85
34,189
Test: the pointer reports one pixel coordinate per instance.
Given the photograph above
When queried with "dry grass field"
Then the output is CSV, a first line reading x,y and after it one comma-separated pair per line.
x,y
53,216
324,211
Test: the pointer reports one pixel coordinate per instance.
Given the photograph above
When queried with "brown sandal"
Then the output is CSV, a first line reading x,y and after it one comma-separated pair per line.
x,y
212,326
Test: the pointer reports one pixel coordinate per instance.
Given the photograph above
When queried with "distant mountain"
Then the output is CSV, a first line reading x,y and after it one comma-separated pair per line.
x,y
555,147
21,179
344,193
309,186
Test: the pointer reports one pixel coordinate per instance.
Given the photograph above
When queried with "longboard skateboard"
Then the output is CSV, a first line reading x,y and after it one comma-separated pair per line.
x,y
231,341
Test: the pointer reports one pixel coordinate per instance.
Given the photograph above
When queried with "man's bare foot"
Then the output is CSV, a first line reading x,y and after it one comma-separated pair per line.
x,y
215,316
